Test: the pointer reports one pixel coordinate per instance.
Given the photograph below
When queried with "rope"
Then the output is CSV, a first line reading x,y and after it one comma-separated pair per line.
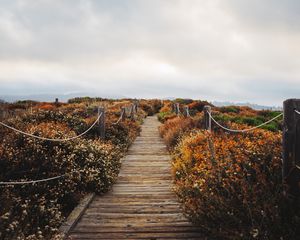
x,y
51,139
31,181
187,112
296,111
120,118
243,130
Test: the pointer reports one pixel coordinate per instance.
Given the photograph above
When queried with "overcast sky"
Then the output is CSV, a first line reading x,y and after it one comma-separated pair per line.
x,y
228,50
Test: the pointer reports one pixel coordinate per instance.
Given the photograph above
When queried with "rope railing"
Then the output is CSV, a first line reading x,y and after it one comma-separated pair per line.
x,y
131,111
296,111
243,130
32,181
100,114
52,139
187,111
120,119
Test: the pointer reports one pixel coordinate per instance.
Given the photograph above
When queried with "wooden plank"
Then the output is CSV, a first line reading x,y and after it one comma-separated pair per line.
x,y
75,215
141,205
144,235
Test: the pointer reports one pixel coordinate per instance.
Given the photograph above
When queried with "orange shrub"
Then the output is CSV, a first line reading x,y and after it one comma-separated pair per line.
x,y
174,128
230,184
35,211
46,107
198,106
167,107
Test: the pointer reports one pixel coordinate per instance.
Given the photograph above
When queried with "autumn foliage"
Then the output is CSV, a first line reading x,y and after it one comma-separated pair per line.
x,y
86,164
230,184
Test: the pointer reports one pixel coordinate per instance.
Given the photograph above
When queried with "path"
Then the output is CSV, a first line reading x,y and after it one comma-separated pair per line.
x,y
141,204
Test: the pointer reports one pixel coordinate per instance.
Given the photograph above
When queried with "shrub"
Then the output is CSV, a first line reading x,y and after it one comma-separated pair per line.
x,y
91,165
147,108
183,101
47,107
174,128
252,121
229,109
198,106
38,210
230,184
122,134
164,116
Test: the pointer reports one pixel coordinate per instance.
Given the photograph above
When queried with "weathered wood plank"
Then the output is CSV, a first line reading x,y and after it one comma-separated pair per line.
x,y
145,235
141,205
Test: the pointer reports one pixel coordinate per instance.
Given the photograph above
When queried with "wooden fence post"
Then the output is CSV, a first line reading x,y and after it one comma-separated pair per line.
x,y
207,119
186,112
177,109
101,122
173,107
123,113
132,111
291,148
135,104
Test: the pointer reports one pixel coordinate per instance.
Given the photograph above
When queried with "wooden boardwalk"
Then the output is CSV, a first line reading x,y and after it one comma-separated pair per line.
x,y
141,204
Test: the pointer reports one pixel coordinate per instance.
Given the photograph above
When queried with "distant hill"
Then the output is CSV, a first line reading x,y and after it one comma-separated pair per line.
x,y
254,106
52,97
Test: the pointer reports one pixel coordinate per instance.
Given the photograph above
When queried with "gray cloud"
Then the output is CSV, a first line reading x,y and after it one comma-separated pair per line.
x,y
210,49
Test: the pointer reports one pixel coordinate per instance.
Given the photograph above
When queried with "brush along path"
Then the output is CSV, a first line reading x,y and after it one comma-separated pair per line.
x,y
141,204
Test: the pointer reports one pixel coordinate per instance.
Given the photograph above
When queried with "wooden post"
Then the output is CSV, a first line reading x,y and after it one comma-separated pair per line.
x,y
136,106
132,112
177,109
291,148
173,108
123,113
101,122
207,119
186,111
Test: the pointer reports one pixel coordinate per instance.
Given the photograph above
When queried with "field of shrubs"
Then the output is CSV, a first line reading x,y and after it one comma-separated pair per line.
x,y
229,184
86,164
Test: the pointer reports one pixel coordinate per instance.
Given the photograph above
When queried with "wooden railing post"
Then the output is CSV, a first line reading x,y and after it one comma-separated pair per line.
x,y
186,112
173,108
207,119
291,148
101,122
135,106
177,109
132,111
123,113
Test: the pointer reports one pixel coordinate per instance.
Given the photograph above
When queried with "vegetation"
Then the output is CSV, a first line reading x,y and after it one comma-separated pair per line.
x,y
87,164
246,115
230,184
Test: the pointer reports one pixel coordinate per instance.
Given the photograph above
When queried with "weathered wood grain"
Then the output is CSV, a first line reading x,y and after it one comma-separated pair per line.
x,y
141,204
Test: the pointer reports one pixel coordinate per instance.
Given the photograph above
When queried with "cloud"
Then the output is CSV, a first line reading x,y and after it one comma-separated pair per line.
x,y
212,49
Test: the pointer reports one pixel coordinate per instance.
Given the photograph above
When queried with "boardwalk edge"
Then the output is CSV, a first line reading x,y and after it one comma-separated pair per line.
x,y
75,215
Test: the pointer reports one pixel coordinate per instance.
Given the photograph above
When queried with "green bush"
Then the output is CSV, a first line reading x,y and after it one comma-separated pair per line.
x,y
229,109
163,116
